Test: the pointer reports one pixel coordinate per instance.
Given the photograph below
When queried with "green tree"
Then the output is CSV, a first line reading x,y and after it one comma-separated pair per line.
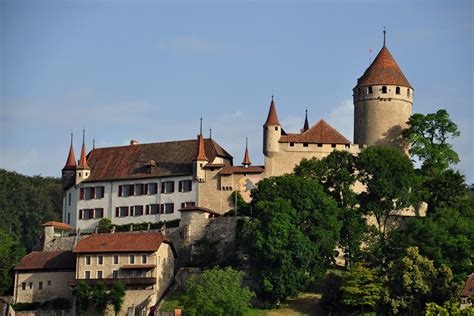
x,y
104,226
11,252
82,293
361,288
99,298
390,182
293,235
337,173
217,292
413,281
116,296
428,136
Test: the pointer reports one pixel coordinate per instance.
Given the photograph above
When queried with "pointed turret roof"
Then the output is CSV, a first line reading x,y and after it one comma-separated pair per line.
x,y
246,161
272,118
384,70
71,158
200,154
83,160
306,124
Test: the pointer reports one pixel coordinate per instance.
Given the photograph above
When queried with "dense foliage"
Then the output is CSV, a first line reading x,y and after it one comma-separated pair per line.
x,y
217,292
99,296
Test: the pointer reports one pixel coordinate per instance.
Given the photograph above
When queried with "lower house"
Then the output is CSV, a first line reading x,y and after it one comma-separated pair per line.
x,y
142,261
467,291
43,276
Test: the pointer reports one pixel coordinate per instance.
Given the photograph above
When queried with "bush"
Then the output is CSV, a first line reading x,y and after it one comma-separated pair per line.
x,y
57,304
105,226
26,306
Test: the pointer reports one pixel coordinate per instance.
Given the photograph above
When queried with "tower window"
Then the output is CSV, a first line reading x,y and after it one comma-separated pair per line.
x,y
397,90
305,144
276,128
408,92
384,89
369,90
292,144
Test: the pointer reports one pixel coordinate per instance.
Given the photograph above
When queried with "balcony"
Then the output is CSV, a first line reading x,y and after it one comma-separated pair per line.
x,y
110,281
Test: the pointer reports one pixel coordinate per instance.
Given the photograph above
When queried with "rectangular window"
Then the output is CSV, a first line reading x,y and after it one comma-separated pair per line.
x,y
88,213
89,193
144,259
31,285
99,192
167,187
120,190
138,210
152,188
116,259
81,194
100,260
99,274
115,274
305,144
99,213
167,208
123,211
333,145
154,208
87,275
49,282
69,218
88,260
69,198
140,189
292,144
320,145
185,185
131,190
131,259
40,285
23,286
186,204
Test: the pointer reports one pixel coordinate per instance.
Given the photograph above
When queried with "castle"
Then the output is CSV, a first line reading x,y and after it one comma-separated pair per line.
x,y
152,182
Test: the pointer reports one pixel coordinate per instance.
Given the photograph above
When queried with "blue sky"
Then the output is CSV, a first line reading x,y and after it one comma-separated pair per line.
x,y
149,69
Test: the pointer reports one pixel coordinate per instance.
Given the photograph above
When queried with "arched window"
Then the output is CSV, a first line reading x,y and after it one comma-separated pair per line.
x,y
397,90
384,89
369,90
408,92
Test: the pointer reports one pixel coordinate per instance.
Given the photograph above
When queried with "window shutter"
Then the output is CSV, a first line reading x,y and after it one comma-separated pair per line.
x,y
131,210
172,186
81,194
120,191
80,214
131,190
145,190
117,212
163,184
93,193
147,209
180,189
126,213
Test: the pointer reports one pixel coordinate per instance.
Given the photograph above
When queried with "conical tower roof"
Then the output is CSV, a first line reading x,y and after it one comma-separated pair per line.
x,y
83,159
384,70
200,153
306,124
71,159
246,161
272,118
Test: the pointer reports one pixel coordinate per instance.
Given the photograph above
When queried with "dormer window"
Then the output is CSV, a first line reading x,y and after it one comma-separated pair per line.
x,y
397,90
384,89
369,90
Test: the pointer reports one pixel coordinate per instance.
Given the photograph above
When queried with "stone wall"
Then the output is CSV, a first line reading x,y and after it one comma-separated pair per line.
x,y
54,284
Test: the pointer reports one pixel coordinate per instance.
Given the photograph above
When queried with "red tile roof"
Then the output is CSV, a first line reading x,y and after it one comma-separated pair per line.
x,y
468,288
272,118
83,160
200,153
121,242
134,161
48,260
71,159
384,70
58,225
320,133
228,170
197,208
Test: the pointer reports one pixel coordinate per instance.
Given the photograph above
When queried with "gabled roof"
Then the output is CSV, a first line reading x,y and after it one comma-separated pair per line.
x,y
383,70
59,225
121,242
320,133
149,160
48,260
272,118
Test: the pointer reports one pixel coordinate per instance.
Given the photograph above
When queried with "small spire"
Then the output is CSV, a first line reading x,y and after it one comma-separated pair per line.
x,y
210,133
384,36
200,152
306,124
83,159
93,143
71,158
200,126
246,163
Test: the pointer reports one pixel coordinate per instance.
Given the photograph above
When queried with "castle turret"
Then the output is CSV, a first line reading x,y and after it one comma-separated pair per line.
x,y
383,101
83,170
271,131
200,158
306,123
246,162
69,170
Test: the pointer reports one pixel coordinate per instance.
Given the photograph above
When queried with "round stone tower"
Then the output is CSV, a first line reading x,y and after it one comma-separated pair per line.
x,y
383,101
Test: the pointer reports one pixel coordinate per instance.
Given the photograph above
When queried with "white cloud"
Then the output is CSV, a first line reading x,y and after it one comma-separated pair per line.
x,y
186,43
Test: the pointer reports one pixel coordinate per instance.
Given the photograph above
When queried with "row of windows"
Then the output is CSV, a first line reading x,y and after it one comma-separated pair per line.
x,y
152,188
319,145
116,259
115,274
90,213
30,285
384,90
90,193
